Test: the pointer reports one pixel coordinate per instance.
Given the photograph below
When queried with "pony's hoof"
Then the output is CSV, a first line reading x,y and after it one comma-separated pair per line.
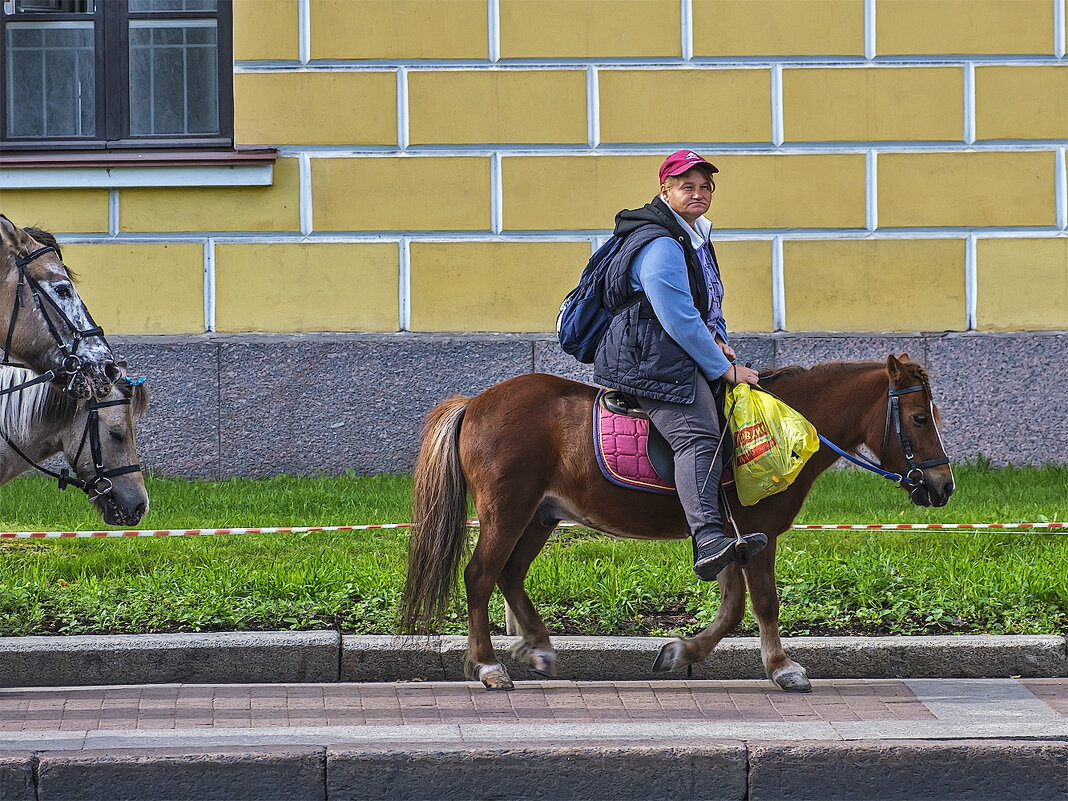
x,y
495,677
792,681
670,657
543,663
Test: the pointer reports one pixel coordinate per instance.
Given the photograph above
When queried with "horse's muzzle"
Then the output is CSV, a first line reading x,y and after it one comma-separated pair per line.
x,y
117,513
932,492
92,380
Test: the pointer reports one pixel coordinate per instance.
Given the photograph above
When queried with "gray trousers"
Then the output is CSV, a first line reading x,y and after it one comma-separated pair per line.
x,y
693,431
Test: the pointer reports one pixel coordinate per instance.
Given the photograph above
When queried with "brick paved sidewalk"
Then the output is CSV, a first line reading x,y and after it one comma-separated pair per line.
x,y
913,738
274,706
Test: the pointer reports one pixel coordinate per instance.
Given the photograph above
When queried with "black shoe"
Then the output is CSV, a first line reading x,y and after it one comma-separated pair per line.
x,y
717,552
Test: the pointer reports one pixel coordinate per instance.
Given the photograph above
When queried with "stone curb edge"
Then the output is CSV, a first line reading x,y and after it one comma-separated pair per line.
x,y
680,769
326,656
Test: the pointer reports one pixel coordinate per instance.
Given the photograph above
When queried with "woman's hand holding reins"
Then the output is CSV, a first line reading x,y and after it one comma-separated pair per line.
x,y
739,374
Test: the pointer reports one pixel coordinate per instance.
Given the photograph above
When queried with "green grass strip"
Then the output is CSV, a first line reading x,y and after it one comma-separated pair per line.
x,y
831,582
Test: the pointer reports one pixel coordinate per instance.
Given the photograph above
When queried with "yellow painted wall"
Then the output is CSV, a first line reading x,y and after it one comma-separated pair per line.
x,y
1039,301
873,103
315,108
141,288
313,287
216,208
491,286
967,189
778,27
586,29
470,107
794,191
557,192
666,105
401,194
887,285
1021,102
265,29
398,29
83,211
453,161
979,27
746,271
755,192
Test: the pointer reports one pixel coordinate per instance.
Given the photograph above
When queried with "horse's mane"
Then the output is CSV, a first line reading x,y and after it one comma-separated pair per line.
x,y
45,238
49,240
40,405
770,376
774,374
43,405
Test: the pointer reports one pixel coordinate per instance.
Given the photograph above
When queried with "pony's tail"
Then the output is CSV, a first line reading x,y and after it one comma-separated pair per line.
x,y
439,520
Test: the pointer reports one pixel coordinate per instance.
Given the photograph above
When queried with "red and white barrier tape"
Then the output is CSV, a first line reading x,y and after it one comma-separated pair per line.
x,y
930,526
188,532
199,532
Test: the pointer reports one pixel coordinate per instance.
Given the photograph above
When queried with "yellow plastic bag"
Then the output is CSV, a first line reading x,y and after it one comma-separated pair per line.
x,y
772,442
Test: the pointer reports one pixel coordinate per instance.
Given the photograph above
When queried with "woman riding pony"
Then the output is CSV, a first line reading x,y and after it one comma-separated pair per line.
x,y
668,348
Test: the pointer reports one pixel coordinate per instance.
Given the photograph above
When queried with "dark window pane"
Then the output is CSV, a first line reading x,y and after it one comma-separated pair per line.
x,y
173,77
55,6
51,81
154,6
203,92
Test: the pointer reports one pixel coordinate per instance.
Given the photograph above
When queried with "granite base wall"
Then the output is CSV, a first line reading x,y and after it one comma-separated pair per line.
x,y
257,406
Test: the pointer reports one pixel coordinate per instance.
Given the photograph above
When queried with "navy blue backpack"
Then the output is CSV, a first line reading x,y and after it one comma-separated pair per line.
x,y
583,318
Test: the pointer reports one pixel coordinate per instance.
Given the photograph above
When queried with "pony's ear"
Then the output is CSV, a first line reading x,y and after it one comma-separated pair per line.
x,y
895,368
7,231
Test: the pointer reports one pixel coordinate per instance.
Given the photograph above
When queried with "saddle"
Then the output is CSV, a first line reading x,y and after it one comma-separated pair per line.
x,y
631,452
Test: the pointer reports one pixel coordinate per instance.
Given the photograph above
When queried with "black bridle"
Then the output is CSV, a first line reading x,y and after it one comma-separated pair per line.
x,y
101,484
913,476
893,411
72,364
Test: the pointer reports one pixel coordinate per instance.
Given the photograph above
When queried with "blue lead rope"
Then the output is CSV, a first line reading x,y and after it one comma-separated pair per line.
x,y
855,458
867,464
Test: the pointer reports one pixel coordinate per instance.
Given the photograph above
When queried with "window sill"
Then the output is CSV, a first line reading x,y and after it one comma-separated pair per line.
x,y
243,166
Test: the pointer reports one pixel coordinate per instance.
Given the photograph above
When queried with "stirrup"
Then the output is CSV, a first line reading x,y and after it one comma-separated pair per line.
x,y
745,548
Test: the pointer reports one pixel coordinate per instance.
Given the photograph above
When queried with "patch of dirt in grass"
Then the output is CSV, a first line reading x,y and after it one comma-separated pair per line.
x,y
681,622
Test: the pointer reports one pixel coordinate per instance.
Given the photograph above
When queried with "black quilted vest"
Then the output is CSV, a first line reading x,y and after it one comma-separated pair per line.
x,y
636,354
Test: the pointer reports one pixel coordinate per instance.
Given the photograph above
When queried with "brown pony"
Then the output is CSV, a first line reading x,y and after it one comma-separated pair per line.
x,y
524,451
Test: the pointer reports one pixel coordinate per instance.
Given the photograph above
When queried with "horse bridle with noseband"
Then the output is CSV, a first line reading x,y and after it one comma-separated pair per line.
x,y
101,484
912,478
71,363
893,411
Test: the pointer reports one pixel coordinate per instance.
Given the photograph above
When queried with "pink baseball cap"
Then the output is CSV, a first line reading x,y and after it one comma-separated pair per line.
x,y
681,161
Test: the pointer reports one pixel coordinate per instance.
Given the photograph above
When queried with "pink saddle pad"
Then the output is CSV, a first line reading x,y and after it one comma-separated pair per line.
x,y
621,443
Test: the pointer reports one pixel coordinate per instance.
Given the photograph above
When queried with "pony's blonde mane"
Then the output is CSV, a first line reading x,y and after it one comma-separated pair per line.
x,y
24,411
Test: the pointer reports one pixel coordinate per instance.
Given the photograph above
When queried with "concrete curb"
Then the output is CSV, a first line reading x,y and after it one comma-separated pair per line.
x,y
212,658
326,656
681,769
